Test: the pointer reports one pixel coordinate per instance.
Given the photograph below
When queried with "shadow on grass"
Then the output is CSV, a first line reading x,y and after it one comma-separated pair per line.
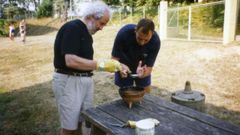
x,y
35,30
50,26
32,110
29,111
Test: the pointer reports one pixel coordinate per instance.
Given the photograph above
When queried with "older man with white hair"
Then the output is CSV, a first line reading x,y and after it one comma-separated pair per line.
x,y
73,61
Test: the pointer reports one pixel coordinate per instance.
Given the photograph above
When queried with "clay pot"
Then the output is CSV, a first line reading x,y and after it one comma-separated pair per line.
x,y
131,94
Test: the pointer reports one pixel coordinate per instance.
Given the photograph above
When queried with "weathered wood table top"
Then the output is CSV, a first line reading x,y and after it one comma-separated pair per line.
x,y
174,119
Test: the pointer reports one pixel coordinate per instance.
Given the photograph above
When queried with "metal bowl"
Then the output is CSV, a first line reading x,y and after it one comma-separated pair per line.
x,y
131,94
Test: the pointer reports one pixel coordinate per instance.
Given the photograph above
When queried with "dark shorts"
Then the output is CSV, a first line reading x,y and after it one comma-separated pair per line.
x,y
125,82
12,32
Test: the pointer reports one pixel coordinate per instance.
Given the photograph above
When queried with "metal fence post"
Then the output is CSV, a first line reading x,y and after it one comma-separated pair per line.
x,y
178,17
230,21
189,22
120,14
144,11
163,19
131,14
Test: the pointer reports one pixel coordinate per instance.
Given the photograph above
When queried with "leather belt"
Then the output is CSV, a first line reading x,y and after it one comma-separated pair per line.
x,y
84,74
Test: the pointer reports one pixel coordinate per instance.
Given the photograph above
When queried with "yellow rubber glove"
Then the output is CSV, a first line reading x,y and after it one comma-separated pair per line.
x,y
109,65
131,124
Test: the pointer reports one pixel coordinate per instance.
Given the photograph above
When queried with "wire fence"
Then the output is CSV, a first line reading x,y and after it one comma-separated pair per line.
x,y
197,22
124,15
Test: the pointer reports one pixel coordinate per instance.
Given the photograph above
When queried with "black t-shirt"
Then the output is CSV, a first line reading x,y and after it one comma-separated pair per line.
x,y
130,53
72,38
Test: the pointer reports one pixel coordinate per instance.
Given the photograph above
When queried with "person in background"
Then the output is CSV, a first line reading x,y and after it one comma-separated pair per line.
x,y
136,46
73,85
11,31
22,30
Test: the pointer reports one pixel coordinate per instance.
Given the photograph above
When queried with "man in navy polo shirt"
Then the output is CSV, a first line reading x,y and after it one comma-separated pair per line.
x,y
136,46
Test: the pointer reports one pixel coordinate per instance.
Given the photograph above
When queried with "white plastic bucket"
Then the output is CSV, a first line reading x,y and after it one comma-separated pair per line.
x,y
145,127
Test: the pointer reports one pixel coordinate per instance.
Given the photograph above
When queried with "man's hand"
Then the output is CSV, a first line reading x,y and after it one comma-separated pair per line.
x,y
141,70
125,71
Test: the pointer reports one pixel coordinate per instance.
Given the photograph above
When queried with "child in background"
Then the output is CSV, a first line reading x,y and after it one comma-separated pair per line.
x,y
11,31
22,30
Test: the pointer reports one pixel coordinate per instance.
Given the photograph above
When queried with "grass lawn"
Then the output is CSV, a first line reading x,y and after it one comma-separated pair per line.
x,y
27,104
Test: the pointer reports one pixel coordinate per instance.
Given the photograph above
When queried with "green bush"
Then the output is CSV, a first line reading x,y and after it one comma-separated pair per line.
x,y
4,26
3,30
45,9
217,17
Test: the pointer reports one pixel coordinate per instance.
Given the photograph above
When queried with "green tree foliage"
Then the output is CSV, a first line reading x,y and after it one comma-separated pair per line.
x,y
11,11
45,9
26,3
61,7
217,17
112,2
17,9
2,27
147,2
135,3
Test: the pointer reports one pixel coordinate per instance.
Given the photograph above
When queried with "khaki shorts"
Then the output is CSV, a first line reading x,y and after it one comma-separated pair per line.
x,y
73,95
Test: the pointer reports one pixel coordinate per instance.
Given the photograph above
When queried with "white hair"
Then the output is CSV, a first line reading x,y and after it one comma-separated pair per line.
x,y
96,9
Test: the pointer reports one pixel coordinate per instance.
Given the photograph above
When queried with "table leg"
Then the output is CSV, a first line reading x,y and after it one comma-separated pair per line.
x,y
96,131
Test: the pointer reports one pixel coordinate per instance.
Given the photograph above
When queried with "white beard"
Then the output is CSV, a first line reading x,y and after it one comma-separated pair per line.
x,y
91,28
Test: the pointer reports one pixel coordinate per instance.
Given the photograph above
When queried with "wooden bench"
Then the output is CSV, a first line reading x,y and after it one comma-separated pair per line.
x,y
174,119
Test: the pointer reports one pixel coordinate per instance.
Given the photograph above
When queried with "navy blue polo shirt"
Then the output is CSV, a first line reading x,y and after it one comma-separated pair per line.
x,y
72,38
130,53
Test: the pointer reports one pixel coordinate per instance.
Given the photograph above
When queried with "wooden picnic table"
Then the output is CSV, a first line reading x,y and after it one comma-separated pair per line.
x,y
174,119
